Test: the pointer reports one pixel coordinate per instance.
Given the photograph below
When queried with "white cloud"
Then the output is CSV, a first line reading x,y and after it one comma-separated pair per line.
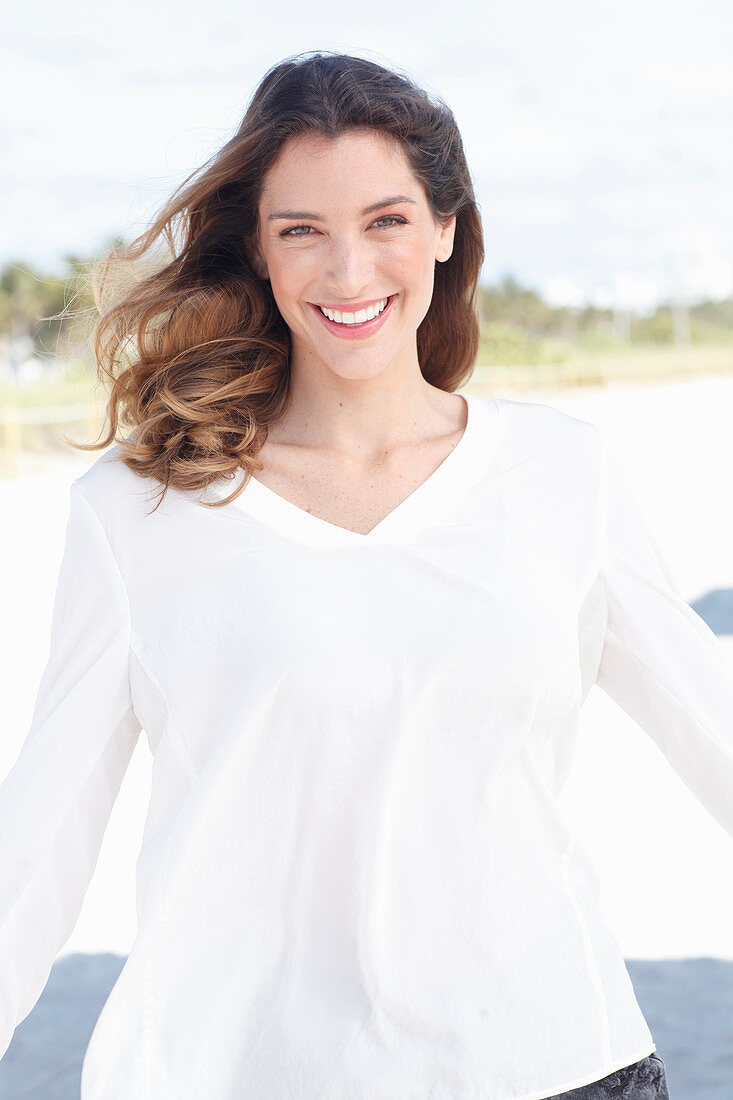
x,y
521,210
561,291
632,291
595,136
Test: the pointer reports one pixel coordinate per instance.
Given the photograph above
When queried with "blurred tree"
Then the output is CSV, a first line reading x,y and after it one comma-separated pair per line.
x,y
53,314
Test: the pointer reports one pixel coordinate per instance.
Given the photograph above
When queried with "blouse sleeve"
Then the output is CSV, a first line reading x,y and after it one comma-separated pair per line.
x,y
56,800
660,660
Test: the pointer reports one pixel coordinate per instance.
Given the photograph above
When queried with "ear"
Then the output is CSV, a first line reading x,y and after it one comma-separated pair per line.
x,y
444,246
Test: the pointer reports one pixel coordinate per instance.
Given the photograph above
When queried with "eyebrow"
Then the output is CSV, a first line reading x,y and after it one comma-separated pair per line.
x,y
390,201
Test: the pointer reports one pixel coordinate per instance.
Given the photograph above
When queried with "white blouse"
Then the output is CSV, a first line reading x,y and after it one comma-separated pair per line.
x,y
355,882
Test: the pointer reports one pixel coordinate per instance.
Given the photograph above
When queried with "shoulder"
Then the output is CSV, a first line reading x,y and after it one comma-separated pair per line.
x,y
117,494
536,425
540,417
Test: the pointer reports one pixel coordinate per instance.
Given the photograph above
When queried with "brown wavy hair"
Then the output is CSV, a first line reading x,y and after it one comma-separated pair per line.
x,y
191,339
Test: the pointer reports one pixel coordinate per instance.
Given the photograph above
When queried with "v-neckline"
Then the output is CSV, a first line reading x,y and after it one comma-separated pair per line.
x,y
431,499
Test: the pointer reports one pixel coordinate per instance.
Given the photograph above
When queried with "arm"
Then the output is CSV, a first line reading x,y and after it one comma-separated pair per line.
x,y
660,660
56,800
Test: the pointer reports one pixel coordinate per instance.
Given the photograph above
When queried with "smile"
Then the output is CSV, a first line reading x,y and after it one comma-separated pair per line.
x,y
358,324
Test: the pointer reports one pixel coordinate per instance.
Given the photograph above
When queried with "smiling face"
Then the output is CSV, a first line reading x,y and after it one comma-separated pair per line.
x,y
345,224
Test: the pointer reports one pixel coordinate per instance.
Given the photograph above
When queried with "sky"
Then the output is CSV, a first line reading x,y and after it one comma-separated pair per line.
x,y
599,137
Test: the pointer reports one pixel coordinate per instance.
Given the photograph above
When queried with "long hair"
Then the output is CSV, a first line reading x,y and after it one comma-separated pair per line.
x,y
190,339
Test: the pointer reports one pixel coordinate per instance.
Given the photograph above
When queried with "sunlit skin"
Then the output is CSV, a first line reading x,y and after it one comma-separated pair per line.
x,y
353,397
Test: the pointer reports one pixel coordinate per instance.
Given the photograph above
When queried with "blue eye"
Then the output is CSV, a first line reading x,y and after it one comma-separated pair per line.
x,y
393,218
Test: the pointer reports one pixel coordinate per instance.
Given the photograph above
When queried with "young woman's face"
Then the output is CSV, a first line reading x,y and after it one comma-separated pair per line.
x,y
345,224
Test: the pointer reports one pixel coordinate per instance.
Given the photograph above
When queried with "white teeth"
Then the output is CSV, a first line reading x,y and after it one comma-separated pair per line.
x,y
357,318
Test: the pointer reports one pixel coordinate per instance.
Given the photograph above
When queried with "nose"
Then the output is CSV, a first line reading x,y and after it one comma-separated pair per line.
x,y
349,268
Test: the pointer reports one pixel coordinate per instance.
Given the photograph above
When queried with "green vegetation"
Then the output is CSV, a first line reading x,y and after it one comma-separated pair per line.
x,y
518,327
49,317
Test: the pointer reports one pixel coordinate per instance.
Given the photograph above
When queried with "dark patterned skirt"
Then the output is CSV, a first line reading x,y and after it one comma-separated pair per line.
x,y
643,1080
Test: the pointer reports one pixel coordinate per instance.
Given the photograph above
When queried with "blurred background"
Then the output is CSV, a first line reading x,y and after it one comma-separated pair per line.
x,y
599,140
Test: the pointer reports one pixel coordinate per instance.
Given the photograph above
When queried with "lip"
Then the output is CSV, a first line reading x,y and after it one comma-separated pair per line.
x,y
351,307
356,332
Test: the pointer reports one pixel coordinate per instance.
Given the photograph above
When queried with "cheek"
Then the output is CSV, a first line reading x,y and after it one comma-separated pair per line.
x,y
410,263
289,277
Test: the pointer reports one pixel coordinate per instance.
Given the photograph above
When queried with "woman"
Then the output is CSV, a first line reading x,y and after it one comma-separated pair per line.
x,y
357,627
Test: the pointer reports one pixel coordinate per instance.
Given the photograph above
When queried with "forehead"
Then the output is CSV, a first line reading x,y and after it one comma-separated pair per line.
x,y
356,161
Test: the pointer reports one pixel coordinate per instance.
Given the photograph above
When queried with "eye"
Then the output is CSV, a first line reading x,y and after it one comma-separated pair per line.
x,y
291,232
393,218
